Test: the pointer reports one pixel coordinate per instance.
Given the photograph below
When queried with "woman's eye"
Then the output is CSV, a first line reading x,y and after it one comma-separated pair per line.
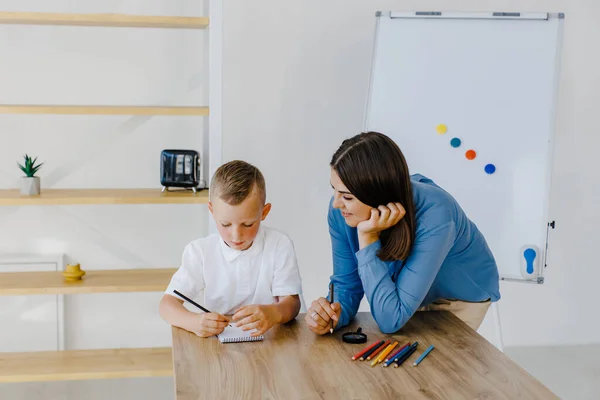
x,y
347,198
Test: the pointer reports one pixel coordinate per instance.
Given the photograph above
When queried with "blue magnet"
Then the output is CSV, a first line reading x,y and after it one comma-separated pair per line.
x,y
490,168
455,142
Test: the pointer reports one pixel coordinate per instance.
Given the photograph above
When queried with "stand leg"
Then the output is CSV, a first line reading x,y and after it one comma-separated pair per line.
x,y
499,340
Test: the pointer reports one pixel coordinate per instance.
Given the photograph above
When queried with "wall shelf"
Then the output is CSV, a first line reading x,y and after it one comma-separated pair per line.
x,y
85,364
12,197
107,20
104,110
94,281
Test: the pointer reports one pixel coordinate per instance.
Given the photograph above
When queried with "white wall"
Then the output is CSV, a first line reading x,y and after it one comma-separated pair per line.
x,y
295,83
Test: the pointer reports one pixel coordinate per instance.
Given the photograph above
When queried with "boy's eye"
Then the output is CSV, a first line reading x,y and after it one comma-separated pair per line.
x,y
249,225
225,225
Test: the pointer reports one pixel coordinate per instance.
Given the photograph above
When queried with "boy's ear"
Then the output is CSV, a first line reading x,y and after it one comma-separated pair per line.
x,y
210,207
265,212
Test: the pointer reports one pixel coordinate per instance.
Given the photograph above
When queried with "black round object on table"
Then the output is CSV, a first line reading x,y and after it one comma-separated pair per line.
x,y
355,337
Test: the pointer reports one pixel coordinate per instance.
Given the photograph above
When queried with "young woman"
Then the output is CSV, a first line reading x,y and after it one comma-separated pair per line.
x,y
400,240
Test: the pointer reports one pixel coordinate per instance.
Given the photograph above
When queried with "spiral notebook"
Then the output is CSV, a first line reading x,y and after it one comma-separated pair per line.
x,y
233,334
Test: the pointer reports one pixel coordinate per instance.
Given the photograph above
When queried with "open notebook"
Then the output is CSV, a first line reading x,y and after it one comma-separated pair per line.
x,y
233,334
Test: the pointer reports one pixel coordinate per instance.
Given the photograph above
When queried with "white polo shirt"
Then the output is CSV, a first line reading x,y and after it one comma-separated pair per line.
x,y
223,279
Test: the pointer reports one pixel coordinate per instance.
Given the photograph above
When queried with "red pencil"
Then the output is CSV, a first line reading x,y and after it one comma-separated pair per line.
x,y
360,353
396,353
373,354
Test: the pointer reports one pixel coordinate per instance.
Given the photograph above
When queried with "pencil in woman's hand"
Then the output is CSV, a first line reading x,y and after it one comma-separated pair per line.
x,y
331,301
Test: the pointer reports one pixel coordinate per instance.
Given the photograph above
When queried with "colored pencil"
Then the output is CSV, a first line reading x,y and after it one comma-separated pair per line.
x,y
380,349
385,353
397,352
331,291
397,356
377,359
422,356
363,351
405,357
368,353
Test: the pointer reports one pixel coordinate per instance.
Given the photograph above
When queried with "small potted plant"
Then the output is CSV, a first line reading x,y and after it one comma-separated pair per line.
x,y
30,184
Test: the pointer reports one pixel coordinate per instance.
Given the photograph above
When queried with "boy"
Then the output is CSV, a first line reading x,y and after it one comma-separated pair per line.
x,y
247,270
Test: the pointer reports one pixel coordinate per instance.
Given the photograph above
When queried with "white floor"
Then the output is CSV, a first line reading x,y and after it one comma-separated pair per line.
x,y
571,372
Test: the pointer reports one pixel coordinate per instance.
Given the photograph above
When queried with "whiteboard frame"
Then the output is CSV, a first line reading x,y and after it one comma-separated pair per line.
x,y
552,132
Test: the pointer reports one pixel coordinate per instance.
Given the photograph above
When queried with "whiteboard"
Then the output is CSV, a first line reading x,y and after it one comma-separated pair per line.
x,y
489,81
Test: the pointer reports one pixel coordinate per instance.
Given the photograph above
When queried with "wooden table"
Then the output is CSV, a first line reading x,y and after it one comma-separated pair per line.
x,y
294,363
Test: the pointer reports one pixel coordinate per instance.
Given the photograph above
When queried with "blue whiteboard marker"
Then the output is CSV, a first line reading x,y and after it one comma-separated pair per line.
x,y
530,261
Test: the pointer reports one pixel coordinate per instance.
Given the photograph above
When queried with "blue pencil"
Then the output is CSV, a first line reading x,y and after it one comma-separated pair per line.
x,y
405,357
391,360
423,356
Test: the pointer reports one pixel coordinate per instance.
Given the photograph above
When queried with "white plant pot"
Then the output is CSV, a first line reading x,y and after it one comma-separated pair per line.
x,y
30,186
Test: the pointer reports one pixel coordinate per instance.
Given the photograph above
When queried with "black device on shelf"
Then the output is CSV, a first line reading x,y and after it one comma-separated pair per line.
x,y
180,168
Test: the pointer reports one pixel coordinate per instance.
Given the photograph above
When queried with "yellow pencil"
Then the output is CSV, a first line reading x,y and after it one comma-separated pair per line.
x,y
383,354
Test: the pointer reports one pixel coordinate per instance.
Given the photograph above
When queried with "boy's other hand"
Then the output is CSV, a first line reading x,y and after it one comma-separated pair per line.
x,y
320,313
259,317
210,324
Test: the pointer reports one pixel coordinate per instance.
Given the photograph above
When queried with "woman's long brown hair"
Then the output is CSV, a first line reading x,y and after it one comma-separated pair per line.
x,y
374,170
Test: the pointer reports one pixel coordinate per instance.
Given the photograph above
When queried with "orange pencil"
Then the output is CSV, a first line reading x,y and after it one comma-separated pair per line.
x,y
383,354
360,353
387,352
372,355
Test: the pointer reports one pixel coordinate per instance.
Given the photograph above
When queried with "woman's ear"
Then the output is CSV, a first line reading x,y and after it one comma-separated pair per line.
x,y
266,210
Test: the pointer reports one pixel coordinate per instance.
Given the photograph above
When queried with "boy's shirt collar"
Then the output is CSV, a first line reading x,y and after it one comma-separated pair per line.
x,y
231,254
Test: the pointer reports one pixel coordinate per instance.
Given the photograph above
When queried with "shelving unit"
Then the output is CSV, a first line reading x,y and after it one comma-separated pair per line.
x,y
110,363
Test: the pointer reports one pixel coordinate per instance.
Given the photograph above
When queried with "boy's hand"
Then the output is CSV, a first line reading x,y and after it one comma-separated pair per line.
x,y
209,324
320,313
259,317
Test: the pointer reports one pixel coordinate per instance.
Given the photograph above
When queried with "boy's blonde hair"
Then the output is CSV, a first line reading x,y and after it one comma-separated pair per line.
x,y
234,181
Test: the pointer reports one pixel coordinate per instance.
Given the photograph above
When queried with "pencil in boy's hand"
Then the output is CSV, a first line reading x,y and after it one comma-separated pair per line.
x,y
190,301
331,301
184,297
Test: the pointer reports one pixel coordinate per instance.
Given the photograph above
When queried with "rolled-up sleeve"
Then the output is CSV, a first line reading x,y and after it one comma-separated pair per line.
x,y
348,289
394,303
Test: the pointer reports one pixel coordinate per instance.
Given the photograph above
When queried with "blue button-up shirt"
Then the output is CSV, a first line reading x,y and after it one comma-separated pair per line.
x,y
449,259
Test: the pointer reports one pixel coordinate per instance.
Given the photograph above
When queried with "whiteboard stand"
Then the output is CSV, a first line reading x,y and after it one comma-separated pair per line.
x,y
497,326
